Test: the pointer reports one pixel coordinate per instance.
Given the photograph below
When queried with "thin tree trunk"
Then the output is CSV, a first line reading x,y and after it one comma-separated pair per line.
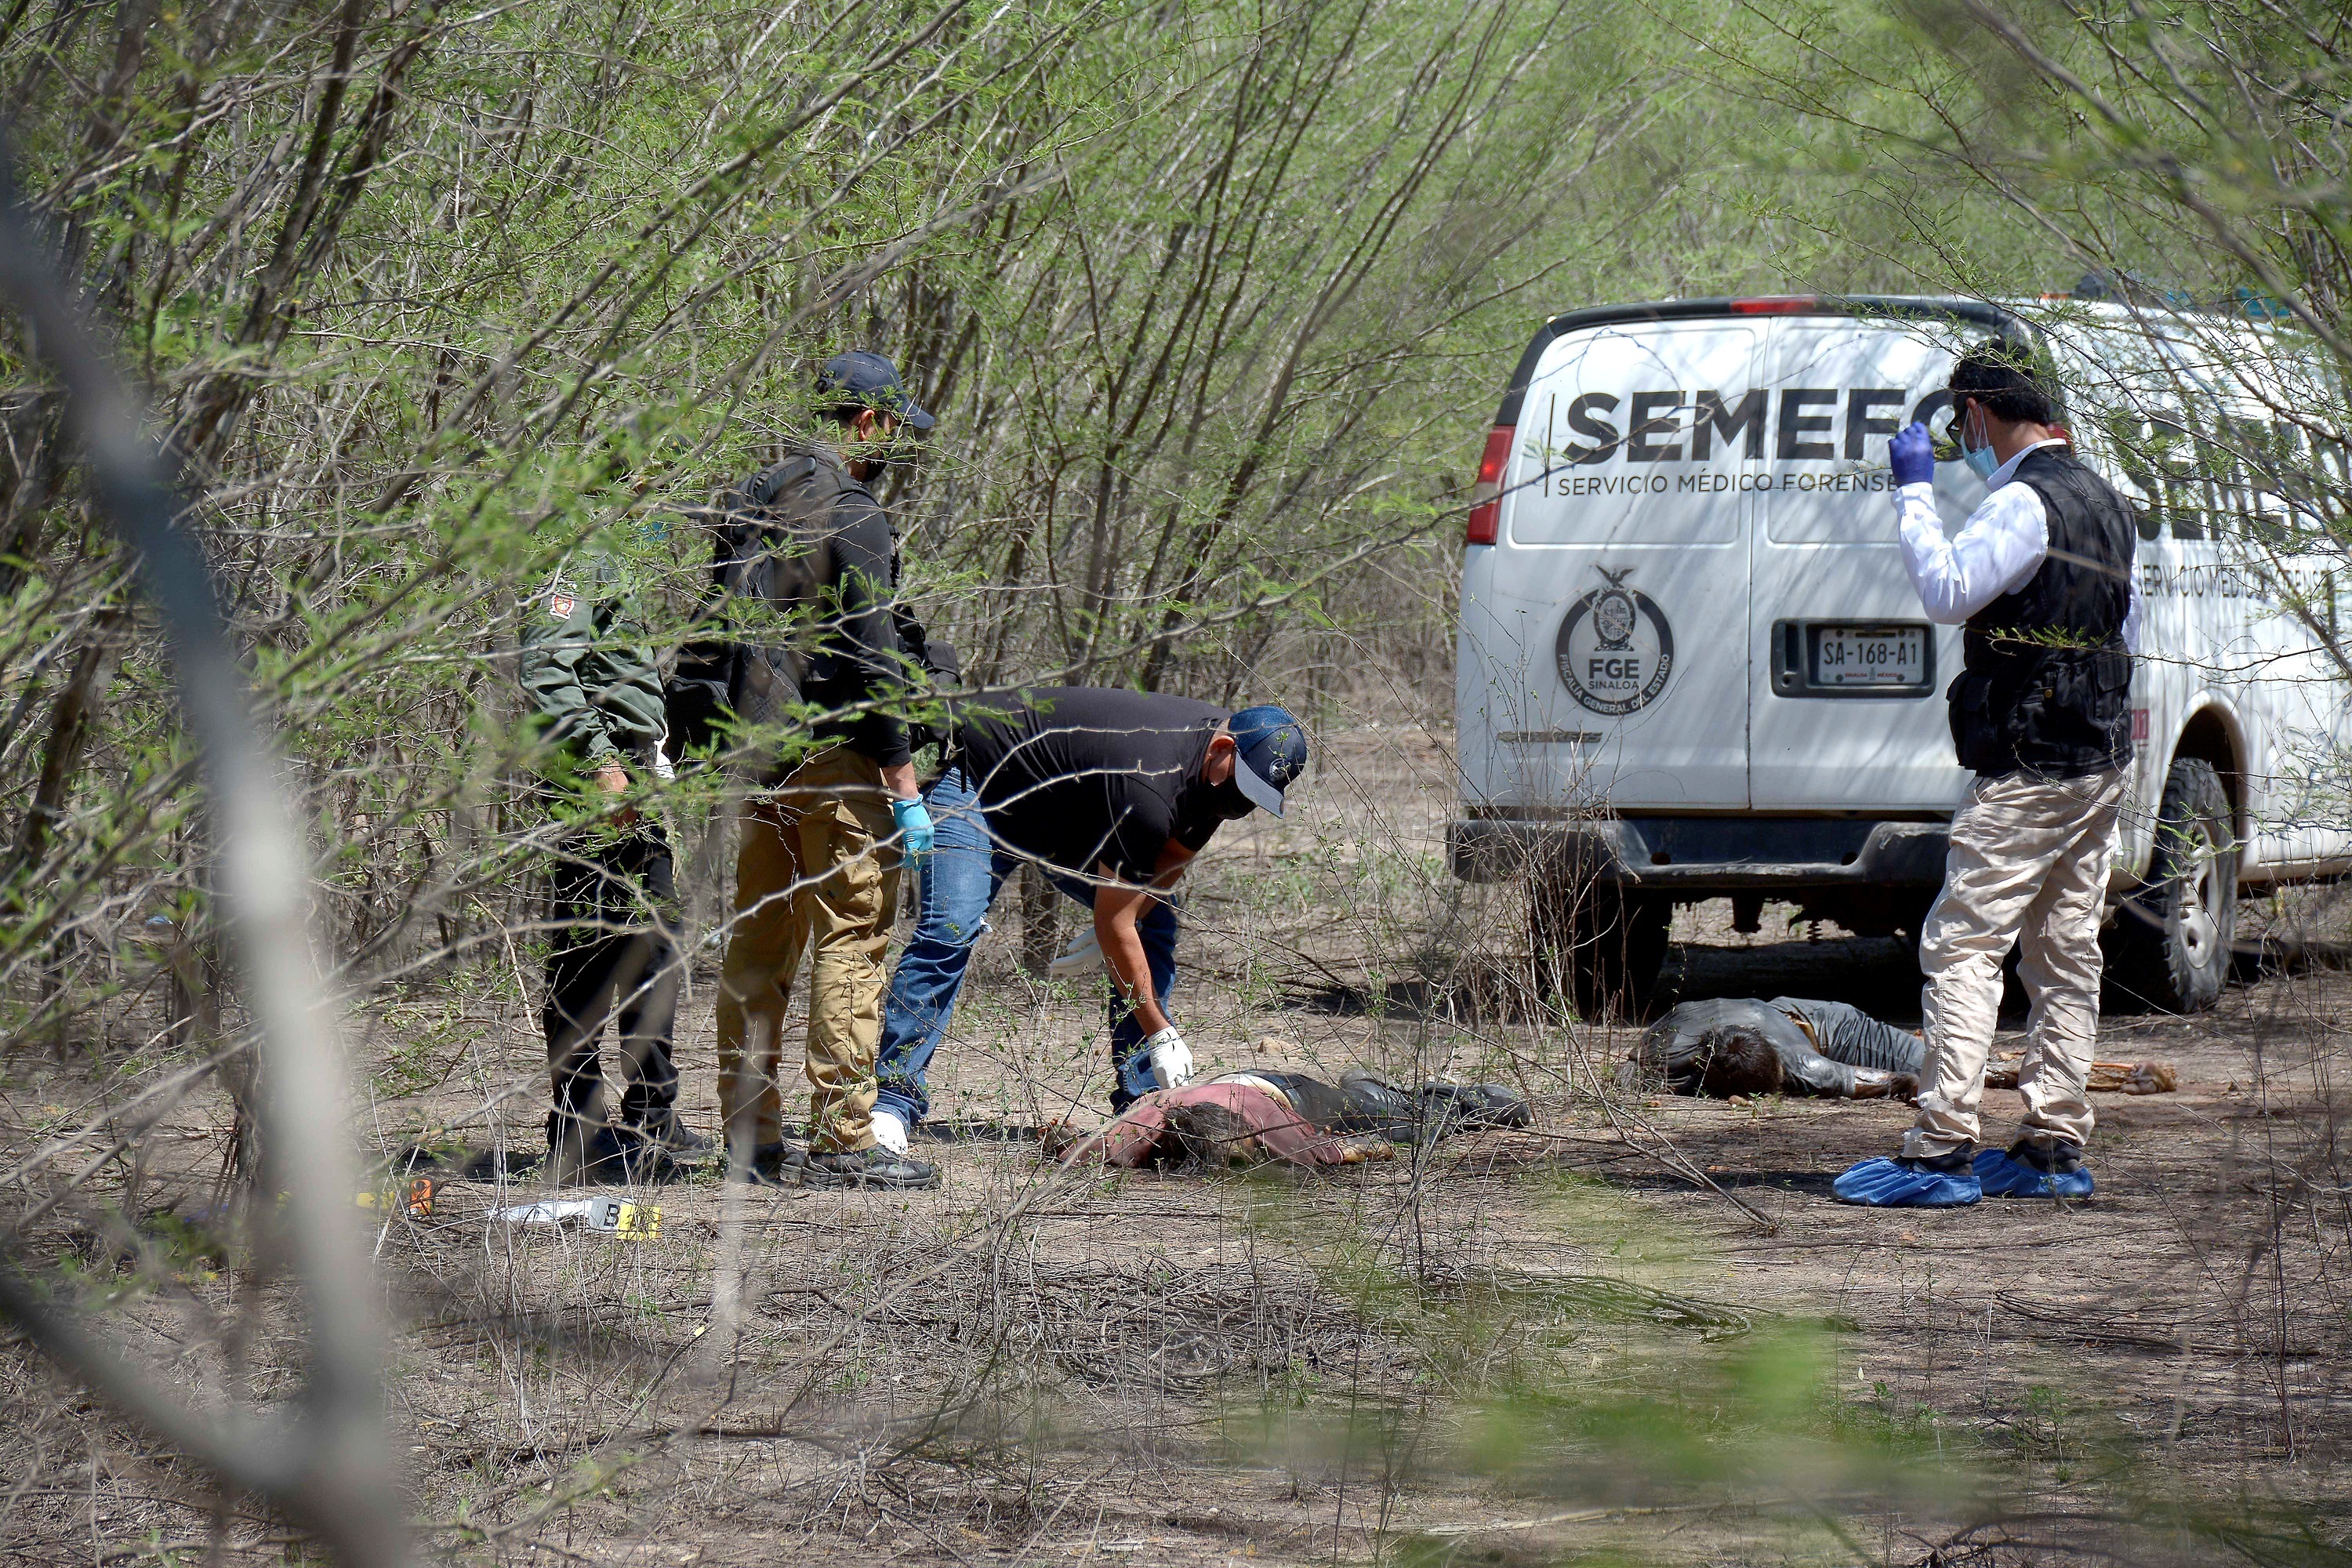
x,y
69,725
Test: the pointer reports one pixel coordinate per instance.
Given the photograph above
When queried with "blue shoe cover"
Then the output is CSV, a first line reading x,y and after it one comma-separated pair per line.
x,y
1884,1184
2002,1177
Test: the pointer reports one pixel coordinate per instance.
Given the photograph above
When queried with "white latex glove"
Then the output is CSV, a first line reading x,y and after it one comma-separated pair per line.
x,y
890,1133
1082,956
1172,1059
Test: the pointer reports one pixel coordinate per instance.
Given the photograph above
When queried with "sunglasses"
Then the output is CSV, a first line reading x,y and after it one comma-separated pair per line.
x,y
1944,427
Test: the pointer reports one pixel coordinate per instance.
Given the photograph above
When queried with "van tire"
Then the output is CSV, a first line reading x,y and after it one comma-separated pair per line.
x,y
1597,946
2170,944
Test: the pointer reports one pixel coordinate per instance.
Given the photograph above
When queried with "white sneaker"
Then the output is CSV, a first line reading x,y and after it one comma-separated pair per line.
x,y
1083,955
890,1133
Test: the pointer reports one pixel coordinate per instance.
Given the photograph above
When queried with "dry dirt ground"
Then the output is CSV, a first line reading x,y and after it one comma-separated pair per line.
x,y
1642,1331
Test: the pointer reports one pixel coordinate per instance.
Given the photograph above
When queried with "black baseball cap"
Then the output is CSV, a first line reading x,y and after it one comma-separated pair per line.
x,y
867,379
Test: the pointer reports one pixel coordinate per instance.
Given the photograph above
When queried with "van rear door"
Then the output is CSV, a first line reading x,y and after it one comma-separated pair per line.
x,y
1847,675
1621,576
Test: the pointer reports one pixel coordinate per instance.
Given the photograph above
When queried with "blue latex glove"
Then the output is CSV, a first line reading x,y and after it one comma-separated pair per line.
x,y
1911,454
914,824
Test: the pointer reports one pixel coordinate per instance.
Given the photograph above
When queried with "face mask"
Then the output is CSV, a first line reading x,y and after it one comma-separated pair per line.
x,y
898,452
1980,458
1228,802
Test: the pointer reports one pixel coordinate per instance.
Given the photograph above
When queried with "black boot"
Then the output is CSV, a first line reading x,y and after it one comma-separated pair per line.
x,y
2051,1156
581,1154
778,1164
874,1167
682,1143
1960,1162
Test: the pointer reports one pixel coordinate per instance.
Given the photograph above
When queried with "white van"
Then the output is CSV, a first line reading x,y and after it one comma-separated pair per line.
x,y
1692,666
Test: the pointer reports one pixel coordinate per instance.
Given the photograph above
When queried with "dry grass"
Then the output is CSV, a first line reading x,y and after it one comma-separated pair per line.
x,y
1506,1348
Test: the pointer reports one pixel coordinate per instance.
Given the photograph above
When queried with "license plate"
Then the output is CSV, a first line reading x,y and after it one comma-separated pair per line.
x,y
1870,656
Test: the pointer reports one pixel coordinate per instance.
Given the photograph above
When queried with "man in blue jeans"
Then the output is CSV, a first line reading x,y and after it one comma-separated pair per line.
x,y
1111,793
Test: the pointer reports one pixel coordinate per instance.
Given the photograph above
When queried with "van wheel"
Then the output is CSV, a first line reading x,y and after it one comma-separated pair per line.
x,y
1597,946
2171,942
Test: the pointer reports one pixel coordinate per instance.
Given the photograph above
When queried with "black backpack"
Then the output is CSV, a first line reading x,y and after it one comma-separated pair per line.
x,y
769,549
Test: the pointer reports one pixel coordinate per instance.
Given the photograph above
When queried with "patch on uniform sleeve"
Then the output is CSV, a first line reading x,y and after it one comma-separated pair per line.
x,y
561,606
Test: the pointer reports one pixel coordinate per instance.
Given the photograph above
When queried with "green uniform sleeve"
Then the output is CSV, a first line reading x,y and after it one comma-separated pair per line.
x,y
622,679
559,638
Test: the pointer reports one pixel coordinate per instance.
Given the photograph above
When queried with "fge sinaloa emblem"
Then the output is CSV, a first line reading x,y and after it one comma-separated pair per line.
x,y
1615,648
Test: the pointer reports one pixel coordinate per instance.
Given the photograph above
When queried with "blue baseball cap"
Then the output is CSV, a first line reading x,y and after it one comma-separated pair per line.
x,y
864,377
1273,754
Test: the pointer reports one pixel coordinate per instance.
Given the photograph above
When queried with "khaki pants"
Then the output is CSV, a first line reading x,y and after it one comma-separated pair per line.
x,y
2029,865
811,876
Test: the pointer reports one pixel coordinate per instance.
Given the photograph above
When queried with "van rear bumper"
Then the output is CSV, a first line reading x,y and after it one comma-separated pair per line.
x,y
1706,856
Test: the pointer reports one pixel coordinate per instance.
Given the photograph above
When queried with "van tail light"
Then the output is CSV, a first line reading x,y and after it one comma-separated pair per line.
x,y
1776,305
1486,496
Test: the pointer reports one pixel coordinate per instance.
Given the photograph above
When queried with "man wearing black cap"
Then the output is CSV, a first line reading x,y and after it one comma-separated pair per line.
x,y
1112,793
2041,576
817,866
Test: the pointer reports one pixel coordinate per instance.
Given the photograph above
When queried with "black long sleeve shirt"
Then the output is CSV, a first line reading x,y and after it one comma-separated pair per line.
x,y
859,658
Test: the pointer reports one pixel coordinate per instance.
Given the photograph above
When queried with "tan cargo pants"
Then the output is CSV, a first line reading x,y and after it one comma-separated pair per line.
x,y
2029,865
812,876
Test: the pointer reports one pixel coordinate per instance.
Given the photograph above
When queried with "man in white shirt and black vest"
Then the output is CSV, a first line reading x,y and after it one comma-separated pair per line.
x,y
2041,576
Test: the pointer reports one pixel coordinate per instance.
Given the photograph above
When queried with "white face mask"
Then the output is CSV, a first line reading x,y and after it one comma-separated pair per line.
x,y
1979,457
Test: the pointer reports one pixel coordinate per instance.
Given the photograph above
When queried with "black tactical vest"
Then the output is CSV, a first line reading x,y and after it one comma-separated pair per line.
x,y
2045,682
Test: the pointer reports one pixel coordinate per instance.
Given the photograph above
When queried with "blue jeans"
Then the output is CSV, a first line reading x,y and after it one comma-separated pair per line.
x,y
960,882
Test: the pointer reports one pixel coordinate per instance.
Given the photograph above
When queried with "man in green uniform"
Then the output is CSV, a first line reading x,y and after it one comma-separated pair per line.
x,y
596,699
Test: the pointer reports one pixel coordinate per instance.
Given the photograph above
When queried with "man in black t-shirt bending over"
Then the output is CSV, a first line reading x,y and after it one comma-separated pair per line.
x,y
1112,793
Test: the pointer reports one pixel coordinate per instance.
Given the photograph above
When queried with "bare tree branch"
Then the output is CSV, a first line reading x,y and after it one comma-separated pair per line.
x,y
328,1463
